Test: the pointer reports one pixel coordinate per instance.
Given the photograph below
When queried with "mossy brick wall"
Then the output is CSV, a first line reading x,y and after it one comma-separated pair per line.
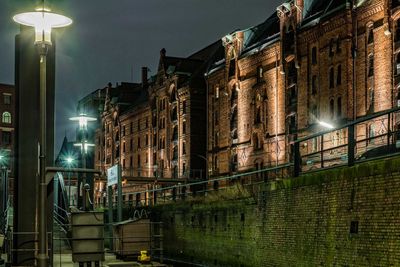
x,y
305,221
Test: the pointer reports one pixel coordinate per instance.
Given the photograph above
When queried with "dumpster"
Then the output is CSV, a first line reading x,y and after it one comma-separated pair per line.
x,y
131,237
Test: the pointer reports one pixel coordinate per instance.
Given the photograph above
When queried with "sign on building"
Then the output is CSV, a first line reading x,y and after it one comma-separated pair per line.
x,y
112,175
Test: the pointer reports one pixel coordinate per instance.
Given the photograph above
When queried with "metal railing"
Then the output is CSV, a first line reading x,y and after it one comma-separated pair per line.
x,y
366,138
182,191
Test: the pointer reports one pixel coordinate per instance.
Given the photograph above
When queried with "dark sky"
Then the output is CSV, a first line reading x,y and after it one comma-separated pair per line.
x,y
111,40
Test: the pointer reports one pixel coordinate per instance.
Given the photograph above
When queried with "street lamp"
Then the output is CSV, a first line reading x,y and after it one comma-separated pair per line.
x,y
70,161
4,186
43,20
84,144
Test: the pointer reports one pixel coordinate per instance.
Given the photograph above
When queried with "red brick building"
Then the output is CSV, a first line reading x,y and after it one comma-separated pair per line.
x,y
7,126
280,79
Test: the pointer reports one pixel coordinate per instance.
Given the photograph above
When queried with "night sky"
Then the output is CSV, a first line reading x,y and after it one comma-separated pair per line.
x,y
111,40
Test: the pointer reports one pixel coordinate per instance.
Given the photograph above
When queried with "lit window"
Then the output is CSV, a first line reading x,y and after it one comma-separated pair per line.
x,y
217,91
6,118
260,74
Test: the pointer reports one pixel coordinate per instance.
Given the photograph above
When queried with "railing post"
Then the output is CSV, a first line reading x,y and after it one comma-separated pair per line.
x,y
296,159
350,145
322,151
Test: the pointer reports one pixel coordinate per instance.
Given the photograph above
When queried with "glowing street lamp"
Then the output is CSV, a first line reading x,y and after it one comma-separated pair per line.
x,y
70,161
83,120
43,20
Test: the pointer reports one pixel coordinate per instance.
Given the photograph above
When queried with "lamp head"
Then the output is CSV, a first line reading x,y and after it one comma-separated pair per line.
x,y
69,160
43,20
83,120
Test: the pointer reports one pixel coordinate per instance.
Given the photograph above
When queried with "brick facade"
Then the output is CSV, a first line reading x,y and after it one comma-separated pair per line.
x,y
269,90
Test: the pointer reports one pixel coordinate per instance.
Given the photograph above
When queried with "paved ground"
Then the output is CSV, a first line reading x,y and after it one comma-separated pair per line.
x,y
66,261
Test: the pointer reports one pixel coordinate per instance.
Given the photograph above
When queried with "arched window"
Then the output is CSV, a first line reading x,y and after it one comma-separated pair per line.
x,y
6,117
370,35
339,75
332,108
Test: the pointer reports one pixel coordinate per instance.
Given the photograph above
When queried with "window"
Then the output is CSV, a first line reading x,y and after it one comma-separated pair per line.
x,y
147,122
332,108
370,35
314,55
371,96
398,64
138,142
7,99
371,66
138,161
184,127
123,130
147,139
338,45
6,138
184,107
6,117
331,53
314,85
339,107
339,75
331,78
131,145
260,74
183,148
123,163
217,92
258,115
123,147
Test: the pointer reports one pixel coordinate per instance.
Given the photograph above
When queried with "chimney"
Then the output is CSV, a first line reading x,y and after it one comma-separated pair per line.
x,y
144,77
163,52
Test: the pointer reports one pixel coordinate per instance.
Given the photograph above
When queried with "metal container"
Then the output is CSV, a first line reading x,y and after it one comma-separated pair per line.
x,y
131,237
87,236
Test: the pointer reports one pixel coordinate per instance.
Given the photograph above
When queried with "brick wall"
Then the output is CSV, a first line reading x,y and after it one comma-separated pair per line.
x,y
342,217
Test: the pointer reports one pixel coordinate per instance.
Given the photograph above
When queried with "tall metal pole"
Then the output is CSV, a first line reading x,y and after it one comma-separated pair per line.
x,y
84,196
69,187
42,257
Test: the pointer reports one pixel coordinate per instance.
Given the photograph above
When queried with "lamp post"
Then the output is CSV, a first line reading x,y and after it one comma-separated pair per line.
x,y
69,161
4,181
42,20
84,144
